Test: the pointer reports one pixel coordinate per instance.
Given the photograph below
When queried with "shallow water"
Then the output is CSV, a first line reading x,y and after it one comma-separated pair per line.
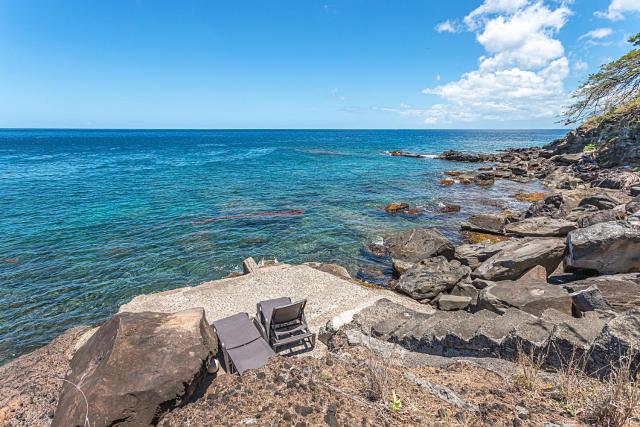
x,y
92,218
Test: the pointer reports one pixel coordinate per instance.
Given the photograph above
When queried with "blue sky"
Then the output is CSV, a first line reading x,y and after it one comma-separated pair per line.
x,y
301,63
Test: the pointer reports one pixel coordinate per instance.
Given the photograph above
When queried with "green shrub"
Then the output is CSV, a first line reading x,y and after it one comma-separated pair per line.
x,y
589,148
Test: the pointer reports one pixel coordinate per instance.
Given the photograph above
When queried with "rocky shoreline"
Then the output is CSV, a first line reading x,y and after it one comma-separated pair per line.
x,y
560,279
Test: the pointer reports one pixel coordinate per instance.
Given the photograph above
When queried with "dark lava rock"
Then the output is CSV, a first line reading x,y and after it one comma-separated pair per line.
x,y
607,247
552,207
512,263
418,244
459,156
430,277
600,201
136,367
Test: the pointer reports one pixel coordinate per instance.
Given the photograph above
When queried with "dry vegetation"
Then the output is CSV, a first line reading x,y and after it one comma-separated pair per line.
x,y
613,401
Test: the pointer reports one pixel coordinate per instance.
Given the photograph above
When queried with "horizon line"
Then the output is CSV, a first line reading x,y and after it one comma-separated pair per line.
x,y
275,129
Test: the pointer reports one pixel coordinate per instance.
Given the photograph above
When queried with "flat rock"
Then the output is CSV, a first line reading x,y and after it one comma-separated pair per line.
x,y
418,244
532,296
608,215
512,263
622,291
136,367
488,223
430,277
589,299
540,227
600,201
453,302
333,269
608,247
474,254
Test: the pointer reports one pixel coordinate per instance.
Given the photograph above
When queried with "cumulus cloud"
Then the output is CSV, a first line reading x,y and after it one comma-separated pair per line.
x,y
522,74
619,8
447,26
598,33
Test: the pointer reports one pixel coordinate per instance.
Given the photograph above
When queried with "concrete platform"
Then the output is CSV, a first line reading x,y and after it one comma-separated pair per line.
x,y
327,296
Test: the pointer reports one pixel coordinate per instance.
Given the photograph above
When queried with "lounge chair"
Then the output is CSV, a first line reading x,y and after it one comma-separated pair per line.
x,y
284,322
242,343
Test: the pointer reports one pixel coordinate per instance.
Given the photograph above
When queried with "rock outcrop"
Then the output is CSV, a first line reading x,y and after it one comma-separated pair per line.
x,y
488,334
136,367
608,247
430,277
540,227
420,243
531,293
622,291
512,263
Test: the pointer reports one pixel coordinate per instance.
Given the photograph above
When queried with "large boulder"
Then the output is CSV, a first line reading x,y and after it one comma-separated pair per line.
x,y
136,367
540,227
531,293
420,243
488,223
600,201
589,299
607,247
622,291
512,263
474,254
430,277
592,218
552,206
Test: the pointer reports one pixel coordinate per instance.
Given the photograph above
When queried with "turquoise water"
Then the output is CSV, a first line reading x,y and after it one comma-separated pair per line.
x,y
92,218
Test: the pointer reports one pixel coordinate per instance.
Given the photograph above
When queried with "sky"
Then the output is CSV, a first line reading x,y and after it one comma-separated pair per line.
x,y
302,63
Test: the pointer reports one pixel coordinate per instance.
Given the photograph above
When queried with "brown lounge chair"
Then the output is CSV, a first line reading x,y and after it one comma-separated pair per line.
x,y
284,322
242,343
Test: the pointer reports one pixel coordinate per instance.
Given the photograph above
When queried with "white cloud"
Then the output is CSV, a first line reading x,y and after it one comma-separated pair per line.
x,y
447,26
522,74
580,66
488,7
619,8
598,33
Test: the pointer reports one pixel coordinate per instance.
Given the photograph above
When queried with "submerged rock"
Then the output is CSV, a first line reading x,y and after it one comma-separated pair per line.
x,y
608,247
136,367
396,207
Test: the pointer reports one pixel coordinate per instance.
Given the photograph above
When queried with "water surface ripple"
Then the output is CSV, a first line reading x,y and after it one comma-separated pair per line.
x,y
92,218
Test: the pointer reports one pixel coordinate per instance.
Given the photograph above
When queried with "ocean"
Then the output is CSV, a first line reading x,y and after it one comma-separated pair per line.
x,y
91,218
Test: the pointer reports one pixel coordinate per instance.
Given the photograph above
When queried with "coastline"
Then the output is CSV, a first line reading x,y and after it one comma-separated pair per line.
x,y
568,175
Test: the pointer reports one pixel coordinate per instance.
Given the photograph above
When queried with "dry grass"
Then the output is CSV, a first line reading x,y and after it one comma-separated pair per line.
x,y
529,364
609,402
618,397
377,376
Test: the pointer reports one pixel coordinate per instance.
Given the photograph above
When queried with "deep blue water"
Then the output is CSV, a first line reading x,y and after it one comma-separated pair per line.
x,y
92,218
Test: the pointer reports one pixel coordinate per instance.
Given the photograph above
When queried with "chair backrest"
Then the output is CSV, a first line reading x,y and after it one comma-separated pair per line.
x,y
288,313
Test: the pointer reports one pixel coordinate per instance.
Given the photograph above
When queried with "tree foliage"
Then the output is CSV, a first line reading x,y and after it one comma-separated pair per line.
x,y
615,84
